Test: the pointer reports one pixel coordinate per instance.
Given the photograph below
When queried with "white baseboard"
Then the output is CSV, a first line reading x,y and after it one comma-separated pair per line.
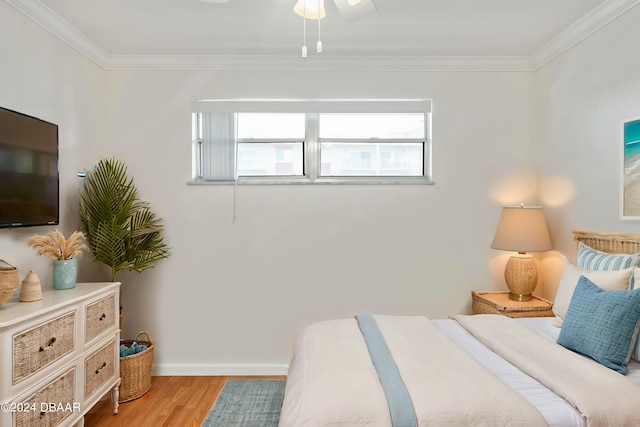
x,y
218,369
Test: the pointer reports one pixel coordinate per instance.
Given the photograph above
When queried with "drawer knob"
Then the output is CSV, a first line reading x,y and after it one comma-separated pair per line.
x,y
101,318
104,365
50,345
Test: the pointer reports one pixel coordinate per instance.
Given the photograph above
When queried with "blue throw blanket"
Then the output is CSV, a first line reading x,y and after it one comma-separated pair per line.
x,y
400,405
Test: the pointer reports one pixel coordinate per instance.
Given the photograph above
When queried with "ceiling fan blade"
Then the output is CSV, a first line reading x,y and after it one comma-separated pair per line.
x,y
356,11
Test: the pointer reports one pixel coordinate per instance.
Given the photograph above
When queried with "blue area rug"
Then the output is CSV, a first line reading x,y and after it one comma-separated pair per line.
x,y
247,403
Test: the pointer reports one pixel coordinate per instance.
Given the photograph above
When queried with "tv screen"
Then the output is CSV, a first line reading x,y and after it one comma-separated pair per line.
x,y
28,171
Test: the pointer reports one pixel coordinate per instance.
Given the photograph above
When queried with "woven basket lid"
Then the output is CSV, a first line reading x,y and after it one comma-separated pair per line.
x,y
31,277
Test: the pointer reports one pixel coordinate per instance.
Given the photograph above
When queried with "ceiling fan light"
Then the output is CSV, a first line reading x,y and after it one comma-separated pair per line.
x,y
310,9
352,10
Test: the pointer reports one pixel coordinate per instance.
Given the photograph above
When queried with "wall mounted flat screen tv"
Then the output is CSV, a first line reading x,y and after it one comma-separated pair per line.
x,y
29,187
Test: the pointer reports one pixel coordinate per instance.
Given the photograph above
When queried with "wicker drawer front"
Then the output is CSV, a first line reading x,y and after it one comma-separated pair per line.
x,y
42,345
60,394
98,368
100,316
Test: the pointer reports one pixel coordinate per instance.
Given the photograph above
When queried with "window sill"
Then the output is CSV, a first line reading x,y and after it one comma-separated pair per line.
x,y
392,180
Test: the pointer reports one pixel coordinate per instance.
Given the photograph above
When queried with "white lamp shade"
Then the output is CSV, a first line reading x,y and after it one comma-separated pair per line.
x,y
522,229
310,9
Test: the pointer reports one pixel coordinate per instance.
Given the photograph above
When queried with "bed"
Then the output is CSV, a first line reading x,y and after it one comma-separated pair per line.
x,y
487,369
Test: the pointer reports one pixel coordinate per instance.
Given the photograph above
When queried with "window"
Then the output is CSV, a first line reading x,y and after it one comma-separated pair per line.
x,y
332,141
364,144
270,144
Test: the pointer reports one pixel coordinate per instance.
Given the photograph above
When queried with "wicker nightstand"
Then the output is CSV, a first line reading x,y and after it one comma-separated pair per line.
x,y
499,303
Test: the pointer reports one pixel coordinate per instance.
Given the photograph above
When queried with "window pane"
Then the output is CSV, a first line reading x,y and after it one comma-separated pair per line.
x,y
371,159
270,159
405,125
270,126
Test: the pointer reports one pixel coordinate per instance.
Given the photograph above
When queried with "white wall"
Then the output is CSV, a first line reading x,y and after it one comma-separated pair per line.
x,y
43,77
582,99
239,293
234,294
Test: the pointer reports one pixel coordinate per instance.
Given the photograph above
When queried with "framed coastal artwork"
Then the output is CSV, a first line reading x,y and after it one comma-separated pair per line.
x,y
631,169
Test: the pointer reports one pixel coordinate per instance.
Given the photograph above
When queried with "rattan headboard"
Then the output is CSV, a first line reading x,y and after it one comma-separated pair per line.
x,y
615,243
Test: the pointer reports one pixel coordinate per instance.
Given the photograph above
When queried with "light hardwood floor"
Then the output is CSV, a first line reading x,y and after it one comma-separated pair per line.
x,y
172,401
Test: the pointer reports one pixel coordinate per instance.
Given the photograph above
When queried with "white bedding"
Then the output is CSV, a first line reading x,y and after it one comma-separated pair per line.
x,y
321,369
556,411
604,397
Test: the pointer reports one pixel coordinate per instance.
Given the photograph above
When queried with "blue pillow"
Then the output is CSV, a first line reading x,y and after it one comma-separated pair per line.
x,y
602,324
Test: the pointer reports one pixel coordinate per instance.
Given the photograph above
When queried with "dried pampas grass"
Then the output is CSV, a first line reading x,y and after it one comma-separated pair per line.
x,y
55,246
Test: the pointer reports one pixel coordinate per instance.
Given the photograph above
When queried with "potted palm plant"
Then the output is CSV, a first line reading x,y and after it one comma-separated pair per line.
x,y
121,229
124,234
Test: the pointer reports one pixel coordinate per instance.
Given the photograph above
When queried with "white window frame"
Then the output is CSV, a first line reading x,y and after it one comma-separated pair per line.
x,y
311,144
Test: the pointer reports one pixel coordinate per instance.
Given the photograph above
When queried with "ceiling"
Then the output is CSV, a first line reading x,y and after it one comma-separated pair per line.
x,y
114,30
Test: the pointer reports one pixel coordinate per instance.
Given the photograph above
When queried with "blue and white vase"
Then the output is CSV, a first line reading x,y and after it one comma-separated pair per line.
x,y
65,273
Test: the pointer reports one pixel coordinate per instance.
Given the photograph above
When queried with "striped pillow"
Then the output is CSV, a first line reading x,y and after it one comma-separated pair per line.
x,y
596,260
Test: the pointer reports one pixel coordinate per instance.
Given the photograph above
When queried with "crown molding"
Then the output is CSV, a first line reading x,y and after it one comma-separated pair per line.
x,y
589,24
583,28
318,63
39,13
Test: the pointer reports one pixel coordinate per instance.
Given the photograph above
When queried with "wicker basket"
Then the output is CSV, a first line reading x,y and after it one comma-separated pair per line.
x,y
135,370
9,279
31,289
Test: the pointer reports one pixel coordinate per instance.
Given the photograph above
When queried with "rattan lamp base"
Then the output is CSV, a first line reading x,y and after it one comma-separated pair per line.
x,y
521,275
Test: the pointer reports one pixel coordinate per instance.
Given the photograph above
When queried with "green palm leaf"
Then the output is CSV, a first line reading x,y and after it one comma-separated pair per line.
x,y
121,230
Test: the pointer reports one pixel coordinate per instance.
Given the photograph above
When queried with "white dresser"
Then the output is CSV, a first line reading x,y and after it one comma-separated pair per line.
x,y
59,356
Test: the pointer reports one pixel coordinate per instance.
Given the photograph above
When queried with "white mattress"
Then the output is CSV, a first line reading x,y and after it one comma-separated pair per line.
x,y
556,411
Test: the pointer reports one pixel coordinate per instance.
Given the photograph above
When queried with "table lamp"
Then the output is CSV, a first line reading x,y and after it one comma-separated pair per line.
x,y
522,229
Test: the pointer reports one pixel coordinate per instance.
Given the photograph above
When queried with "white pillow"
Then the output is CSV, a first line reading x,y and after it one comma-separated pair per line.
x,y
635,278
607,280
